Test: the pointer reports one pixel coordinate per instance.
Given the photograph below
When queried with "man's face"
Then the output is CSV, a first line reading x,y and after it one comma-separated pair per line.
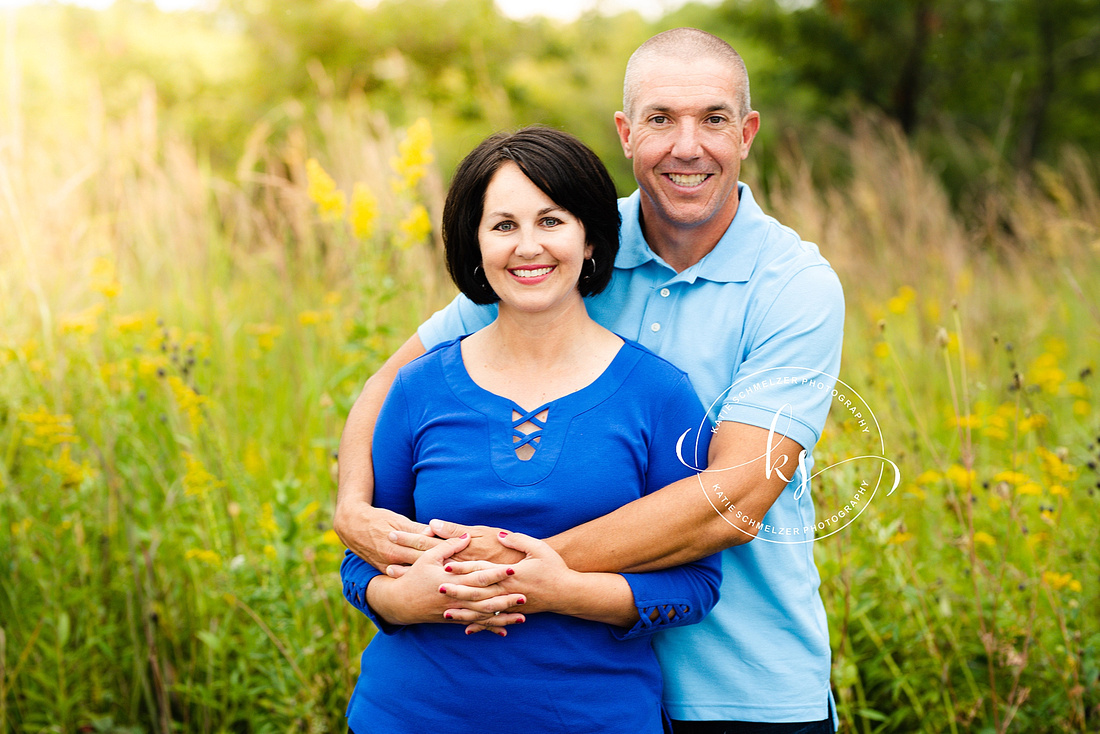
x,y
687,141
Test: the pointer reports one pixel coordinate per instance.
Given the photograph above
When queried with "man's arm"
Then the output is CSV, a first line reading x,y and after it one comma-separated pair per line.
x,y
693,517
680,523
363,528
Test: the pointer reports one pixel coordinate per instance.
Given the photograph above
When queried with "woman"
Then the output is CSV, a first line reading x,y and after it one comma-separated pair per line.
x,y
539,422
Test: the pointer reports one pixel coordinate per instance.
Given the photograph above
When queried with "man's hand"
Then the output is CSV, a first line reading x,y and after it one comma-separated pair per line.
x,y
484,544
370,533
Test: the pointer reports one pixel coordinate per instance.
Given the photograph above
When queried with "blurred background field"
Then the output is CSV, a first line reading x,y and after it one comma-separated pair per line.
x,y
215,224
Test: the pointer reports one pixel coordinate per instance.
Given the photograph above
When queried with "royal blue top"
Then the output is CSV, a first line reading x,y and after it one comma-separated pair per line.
x,y
443,447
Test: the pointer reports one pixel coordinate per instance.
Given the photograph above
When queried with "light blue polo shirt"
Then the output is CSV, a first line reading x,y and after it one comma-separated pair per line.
x,y
757,324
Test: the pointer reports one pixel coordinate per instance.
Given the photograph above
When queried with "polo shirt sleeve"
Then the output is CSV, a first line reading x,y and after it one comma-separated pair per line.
x,y
458,318
682,595
394,482
793,360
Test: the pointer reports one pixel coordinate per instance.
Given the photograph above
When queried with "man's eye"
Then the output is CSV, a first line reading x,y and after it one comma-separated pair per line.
x,y
659,119
716,119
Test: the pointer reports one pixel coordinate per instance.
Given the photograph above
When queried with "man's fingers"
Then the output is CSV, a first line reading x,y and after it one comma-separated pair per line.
x,y
395,571
413,541
446,529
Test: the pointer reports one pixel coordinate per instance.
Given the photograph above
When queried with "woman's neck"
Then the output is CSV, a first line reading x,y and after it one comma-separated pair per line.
x,y
533,358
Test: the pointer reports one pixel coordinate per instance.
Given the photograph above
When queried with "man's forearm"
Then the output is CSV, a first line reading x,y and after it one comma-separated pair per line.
x,y
352,518
678,524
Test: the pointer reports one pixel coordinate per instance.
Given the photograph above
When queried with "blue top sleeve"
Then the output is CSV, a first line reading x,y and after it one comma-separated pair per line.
x,y
681,595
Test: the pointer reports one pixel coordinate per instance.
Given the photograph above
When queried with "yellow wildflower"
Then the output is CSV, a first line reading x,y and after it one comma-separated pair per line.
x,y
966,421
333,298
72,474
984,538
1030,488
307,512
269,551
21,527
189,402
1054,466
208,557
882,350
931,476
49,430
899,538
960,476
1077,389
104,278
267,519
1031,422
330,201
414,228
265,334
364,210
331,538
1059,581
1012,477
129,323
1035,539
1081,408
198,481
84,322
415,154
1044,371
1058,490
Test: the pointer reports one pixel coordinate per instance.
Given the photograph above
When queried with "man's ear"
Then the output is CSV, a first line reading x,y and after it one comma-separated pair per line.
x,y
622,124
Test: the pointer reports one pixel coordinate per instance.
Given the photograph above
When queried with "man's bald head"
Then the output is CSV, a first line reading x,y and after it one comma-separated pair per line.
x,y
684,44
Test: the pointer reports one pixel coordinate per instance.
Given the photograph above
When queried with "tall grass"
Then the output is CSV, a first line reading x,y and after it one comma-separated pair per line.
x,y
179,350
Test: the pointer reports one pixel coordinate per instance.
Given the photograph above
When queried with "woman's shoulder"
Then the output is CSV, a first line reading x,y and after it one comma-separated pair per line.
x,y
430,365
652,364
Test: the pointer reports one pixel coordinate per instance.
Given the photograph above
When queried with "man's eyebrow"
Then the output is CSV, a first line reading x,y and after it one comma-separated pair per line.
x,y
668,109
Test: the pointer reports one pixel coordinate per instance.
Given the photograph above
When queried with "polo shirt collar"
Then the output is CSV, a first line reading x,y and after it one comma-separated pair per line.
x,y
731,261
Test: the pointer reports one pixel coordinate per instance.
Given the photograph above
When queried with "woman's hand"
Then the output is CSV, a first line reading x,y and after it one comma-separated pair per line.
x,y
545,583
422,593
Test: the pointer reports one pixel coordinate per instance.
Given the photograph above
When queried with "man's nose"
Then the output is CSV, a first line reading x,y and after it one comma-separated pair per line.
x,y
686,145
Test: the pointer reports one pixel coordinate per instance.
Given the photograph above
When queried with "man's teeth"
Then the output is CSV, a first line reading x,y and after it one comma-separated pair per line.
x,y
531,273
693,179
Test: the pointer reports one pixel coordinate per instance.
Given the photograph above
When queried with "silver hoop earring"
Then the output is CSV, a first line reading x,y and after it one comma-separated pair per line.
x,y
484,281
589,275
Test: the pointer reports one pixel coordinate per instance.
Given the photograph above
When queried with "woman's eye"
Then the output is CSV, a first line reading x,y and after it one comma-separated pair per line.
x,y
504,226
551,222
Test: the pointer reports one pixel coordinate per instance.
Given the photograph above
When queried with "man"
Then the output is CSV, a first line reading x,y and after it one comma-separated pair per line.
x,y
704,278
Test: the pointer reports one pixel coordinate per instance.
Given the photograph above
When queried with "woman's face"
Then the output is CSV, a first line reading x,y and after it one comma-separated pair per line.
x,y
532,250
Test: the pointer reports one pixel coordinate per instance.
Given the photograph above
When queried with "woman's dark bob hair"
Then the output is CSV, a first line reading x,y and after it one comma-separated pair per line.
x,y
564,169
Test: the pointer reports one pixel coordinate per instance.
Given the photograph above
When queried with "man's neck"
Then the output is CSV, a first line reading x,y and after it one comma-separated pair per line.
x,y
678,245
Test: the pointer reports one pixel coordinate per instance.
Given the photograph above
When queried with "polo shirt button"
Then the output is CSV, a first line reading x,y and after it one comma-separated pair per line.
x,y
654,327
664,292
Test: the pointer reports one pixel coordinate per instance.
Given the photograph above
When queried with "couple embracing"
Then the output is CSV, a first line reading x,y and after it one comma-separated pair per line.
x,y
531,534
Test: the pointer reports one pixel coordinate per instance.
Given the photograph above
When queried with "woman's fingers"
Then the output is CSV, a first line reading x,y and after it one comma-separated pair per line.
x,y
464,567
481,611
523,543
445,550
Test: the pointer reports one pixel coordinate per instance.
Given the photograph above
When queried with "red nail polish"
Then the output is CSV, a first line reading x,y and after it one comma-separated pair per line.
x,y
447,569
442,590
447,616
521,601
511,572
503,534
521,620
469,632
464,536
